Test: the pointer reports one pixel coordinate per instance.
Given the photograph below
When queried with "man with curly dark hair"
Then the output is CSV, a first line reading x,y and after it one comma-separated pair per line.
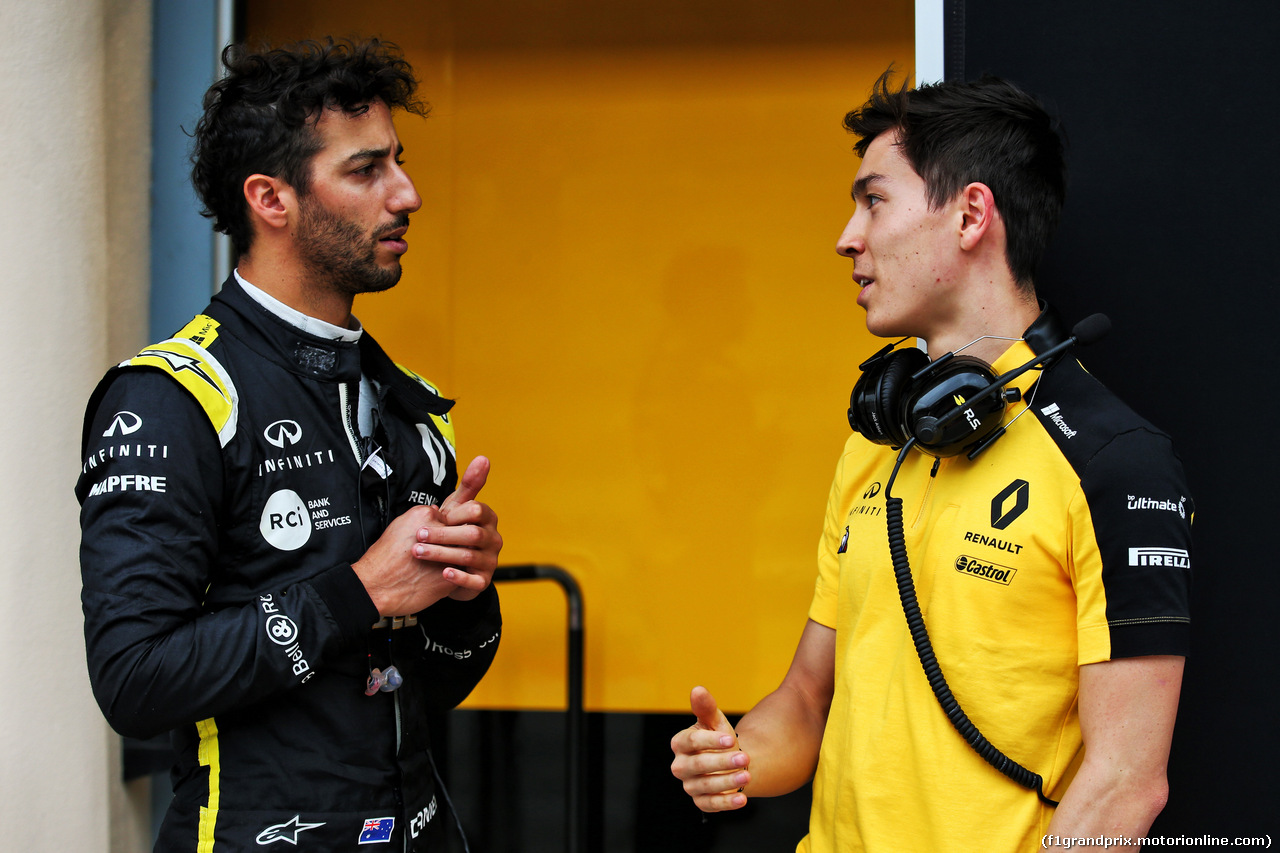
x,y
281,565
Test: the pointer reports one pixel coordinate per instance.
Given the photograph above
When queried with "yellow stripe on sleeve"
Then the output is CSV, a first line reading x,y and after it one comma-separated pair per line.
x,y
186,360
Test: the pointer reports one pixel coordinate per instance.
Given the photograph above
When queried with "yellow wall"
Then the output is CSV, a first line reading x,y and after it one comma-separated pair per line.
x,y
625,273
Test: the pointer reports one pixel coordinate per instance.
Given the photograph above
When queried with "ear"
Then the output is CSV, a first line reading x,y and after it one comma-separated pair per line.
x,y
978,214
271,200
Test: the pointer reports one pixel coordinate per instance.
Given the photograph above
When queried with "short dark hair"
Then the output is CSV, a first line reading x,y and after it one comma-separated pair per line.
x,y
260,118
987,131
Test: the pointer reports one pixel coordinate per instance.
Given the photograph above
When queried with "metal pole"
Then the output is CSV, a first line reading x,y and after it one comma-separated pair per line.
x,y
575,725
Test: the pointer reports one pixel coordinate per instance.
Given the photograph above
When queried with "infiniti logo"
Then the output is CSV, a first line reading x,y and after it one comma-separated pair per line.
x,y
126,422
281,433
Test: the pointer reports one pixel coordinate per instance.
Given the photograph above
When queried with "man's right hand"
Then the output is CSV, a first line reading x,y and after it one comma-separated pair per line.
x,y
709,760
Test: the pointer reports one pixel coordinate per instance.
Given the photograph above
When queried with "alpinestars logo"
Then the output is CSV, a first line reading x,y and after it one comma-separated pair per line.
x,y
1051,411
183,362
1002,513
287,831
126,423
281,433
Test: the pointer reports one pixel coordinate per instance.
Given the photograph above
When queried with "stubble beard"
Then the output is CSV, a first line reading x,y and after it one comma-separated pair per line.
x,y
342,254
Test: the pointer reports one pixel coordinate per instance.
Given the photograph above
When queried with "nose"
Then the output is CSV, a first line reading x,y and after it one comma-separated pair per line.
x,y
851,243
405,198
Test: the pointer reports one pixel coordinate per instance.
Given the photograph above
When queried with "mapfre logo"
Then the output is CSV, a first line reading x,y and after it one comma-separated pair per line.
x,y
285,522
283,433
124,423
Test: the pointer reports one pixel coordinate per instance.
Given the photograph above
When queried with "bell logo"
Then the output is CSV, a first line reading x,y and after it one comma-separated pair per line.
x,y
1020,493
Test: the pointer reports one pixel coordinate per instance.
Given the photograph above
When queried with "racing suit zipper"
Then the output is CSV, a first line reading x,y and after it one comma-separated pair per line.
x,y
344,401
348,424
928,492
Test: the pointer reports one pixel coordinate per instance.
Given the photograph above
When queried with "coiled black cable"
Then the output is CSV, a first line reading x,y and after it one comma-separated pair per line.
x,y
924,648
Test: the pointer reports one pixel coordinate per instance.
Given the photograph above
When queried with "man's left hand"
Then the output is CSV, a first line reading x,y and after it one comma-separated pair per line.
x,y
467,541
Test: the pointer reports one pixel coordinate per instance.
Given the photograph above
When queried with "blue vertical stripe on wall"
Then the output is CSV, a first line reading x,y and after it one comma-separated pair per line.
x,y
184,39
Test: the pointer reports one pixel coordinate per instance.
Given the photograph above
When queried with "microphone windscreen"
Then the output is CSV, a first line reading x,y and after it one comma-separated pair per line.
x,y
1091,329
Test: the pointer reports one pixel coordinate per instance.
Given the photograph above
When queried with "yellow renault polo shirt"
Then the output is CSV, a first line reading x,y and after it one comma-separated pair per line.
x,y
1065,543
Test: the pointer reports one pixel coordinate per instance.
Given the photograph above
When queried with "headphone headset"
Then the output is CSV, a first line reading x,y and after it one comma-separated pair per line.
x,y
901,395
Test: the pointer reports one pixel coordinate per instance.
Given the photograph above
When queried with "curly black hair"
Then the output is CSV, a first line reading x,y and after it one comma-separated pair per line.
x,y
987,131
260,118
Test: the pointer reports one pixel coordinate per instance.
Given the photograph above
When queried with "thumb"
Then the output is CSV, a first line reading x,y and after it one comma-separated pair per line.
x,y
708,713
469,486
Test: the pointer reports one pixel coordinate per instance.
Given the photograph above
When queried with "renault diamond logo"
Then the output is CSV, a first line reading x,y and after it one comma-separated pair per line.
x,y
1020,492
126,422
281,433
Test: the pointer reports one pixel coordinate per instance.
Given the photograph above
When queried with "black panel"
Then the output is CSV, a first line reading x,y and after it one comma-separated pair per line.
x,y
1170,228
505,771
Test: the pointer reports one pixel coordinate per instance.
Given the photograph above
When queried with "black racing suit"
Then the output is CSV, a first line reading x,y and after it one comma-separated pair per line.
x,y
223,501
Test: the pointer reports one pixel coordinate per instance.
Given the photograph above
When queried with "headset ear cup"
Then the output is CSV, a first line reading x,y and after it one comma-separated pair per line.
x,y
895,388
876,402
939,393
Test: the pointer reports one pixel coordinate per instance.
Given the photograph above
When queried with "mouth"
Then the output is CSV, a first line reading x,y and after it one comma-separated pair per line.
x,y
863,282
393,238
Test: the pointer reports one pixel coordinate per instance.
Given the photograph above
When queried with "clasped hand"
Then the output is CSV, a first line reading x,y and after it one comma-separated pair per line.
x,y
429,553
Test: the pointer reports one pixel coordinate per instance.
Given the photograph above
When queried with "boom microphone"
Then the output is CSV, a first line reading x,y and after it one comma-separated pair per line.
x,y
1089,330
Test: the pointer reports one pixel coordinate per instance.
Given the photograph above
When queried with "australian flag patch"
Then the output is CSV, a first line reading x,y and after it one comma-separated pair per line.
x,y
377,830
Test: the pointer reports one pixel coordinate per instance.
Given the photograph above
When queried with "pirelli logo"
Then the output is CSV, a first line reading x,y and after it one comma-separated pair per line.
x,y
1173,558
986,570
